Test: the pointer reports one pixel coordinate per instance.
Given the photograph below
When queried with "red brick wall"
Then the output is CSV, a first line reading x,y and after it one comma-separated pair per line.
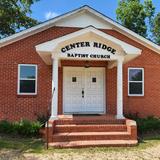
x,y
149,104
14,107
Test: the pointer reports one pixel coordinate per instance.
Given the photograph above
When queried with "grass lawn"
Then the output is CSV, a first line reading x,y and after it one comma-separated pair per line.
x,y
31,148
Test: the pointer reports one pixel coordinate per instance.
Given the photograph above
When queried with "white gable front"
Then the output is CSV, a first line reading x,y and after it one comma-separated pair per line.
x,y
84,19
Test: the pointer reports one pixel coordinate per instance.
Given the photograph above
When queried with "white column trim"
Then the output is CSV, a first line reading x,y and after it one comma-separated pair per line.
x,y
120,88
54,103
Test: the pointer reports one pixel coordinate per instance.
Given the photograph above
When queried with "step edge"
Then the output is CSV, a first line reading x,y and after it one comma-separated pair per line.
x,y
92,143
91,133
86,125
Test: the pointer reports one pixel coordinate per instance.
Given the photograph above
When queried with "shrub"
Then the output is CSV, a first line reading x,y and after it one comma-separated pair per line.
x,y
42,119
147,124
27,128
6,127
23,128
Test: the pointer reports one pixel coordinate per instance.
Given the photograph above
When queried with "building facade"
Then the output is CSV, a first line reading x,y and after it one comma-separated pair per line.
x,y
80,63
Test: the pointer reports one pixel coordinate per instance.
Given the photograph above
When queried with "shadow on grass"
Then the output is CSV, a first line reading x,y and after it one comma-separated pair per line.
x,y
22,144
149,139
15,147
153,135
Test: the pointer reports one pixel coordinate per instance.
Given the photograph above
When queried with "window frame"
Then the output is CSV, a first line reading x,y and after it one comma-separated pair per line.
x,y
19,79
138,95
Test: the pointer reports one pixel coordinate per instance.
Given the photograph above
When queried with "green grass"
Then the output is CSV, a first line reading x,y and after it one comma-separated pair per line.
x,y
22,144
33,145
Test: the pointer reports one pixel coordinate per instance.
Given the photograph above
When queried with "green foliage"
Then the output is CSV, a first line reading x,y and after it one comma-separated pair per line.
x,y
147,124
149,9
27,128
15,15
42,119
23,128
133,14
6,127
156,28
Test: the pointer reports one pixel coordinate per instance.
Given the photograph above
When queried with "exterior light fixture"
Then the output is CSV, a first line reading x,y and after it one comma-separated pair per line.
x,y
87,65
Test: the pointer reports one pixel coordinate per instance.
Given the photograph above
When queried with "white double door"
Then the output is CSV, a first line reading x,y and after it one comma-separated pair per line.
x,y
83,90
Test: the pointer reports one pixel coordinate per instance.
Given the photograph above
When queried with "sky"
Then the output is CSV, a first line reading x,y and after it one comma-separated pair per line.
x,y
47,9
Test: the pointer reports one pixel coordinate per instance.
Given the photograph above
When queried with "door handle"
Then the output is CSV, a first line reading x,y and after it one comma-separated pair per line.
x,y
82,93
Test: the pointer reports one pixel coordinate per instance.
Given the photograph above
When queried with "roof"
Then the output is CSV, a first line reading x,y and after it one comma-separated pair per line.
x,y
50,23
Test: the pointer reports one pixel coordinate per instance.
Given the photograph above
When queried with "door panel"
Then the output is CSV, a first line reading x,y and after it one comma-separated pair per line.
x,y
73,81
91,81
94,90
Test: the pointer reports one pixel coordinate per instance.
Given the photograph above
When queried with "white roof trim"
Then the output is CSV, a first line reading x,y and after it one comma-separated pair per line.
x,y
51,23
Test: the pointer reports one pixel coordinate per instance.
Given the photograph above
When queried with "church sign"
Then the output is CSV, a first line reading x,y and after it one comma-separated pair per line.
x,y
67,49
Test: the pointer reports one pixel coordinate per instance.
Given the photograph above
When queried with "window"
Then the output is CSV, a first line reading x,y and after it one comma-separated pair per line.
x,y
74,79
135,81
94,80
27,79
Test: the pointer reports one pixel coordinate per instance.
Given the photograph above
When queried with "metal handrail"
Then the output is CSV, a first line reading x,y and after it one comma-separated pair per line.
x,y
48,114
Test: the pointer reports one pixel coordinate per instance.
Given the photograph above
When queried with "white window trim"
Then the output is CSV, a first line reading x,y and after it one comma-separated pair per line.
x,y
18,82
138,95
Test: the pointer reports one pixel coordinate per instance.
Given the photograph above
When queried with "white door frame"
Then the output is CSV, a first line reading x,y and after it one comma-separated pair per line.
x,y
104,92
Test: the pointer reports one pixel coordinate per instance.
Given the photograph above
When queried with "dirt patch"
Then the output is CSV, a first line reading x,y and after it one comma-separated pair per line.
x,y
144,154
149,153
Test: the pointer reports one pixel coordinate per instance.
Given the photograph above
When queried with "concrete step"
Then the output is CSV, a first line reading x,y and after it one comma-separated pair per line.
x,y
77,136
95,143
90,128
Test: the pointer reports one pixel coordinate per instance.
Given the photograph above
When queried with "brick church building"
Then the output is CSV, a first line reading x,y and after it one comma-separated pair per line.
x,y
90,70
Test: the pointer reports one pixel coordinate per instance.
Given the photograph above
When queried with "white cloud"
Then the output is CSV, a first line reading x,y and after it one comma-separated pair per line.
x,y
50,15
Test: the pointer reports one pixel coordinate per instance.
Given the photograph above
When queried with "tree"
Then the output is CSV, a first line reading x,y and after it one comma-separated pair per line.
x,y
155,29
15,15
133,15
